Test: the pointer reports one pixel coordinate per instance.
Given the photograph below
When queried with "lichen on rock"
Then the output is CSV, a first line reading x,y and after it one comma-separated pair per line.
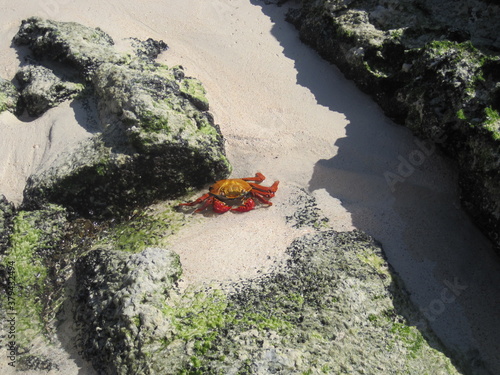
x,y
83,47
38,252
334,307
148,49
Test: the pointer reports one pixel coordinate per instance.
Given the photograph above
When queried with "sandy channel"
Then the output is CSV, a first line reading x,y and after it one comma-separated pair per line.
x,y
290,115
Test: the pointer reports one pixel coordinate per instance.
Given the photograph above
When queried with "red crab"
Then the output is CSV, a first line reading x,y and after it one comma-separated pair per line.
x,y
225,194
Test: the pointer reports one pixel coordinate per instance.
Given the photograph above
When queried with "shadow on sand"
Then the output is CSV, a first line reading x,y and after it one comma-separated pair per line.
x,y
403,192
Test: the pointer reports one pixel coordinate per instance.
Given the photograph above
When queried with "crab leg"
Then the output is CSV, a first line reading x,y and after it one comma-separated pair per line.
x,y
266,189
259,177
207,203
220,207
205,198
199,200
263,192
261,198
247,205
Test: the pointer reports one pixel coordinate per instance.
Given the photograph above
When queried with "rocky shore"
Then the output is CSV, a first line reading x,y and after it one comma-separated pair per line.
x,y
432,66
156,140
332,305
89,242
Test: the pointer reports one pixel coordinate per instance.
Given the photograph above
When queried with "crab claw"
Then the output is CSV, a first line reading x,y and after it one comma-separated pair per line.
x,y
220,207
247,205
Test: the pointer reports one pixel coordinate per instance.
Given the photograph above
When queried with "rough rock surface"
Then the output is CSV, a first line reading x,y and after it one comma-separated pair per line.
x,y
6,214
120,298
38,251
432,65
148,49
8,96
332,306
158,139
83,47
41,89
36,261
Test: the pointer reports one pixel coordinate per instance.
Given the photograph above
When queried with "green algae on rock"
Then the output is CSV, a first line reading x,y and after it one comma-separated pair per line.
x,y
150,227
120,298
34,253
333,306
431,67
7,213
328,310
158,139
38,250
41,89
8,96
83,47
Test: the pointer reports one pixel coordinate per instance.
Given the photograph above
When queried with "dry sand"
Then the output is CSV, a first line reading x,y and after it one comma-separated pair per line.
x,y
290,115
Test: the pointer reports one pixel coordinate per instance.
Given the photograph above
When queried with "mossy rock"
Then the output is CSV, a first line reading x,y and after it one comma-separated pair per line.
x,y
120,298
34,264
8,96
333,306
41,89
430,68
157,142
82,47
37,256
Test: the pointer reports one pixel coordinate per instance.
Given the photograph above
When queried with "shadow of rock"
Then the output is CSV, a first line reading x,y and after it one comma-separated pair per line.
x,y
86,114
404,193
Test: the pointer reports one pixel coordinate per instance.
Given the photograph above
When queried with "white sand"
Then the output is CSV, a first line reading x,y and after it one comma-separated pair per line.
x,y
290,115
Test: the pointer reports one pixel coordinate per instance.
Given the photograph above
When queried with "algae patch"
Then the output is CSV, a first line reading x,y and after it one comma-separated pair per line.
x,y
3,102
329,308
148,227
34,243
28,276
492,122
